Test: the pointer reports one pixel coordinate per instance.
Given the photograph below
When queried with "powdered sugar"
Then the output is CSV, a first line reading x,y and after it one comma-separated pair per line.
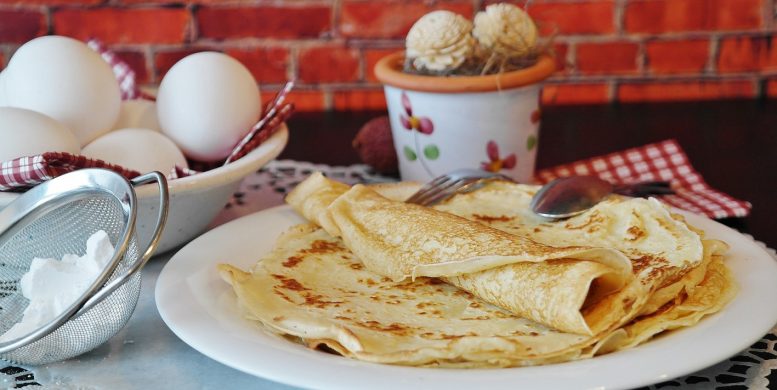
x,y
52,285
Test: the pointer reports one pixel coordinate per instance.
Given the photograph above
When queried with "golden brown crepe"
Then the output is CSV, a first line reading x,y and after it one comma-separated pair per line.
x,y
400,240
311,287
315,288
661,246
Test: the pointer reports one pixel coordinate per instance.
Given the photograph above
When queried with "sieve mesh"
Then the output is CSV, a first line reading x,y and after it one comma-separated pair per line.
x,y
51,232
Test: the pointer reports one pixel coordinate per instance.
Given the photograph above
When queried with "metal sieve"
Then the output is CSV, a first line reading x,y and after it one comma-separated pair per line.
x,y
54,219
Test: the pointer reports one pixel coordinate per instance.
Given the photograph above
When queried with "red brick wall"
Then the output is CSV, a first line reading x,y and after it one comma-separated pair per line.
x,y
608,50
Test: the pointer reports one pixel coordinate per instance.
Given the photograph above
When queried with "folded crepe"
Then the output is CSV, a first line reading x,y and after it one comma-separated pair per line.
x,y
312,288
315,290
551,285
661,246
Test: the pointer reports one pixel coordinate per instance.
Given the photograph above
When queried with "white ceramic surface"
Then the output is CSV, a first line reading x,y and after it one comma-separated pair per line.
x,y
200,309
194,200
3,97
462,126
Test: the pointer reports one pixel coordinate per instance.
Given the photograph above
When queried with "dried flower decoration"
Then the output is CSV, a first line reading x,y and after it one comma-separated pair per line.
x,y
505,30
441,41
503,38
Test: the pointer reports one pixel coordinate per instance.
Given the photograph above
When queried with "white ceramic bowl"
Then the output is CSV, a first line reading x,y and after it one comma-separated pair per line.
x,y
194,200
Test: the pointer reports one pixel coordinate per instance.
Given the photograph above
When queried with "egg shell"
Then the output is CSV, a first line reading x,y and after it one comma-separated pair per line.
x,y
28,133
3,99
137,113
143,150
206,103
66,80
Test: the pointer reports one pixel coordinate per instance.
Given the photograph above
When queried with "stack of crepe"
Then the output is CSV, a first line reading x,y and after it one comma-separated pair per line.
x,y
478,281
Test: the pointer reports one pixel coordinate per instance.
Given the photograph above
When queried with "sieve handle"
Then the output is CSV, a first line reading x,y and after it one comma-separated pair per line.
x,y
164,205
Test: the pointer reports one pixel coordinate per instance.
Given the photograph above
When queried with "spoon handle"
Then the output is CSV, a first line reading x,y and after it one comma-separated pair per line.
x,y
644,189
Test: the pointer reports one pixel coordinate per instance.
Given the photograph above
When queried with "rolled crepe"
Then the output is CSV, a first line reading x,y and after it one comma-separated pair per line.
x,y
554,286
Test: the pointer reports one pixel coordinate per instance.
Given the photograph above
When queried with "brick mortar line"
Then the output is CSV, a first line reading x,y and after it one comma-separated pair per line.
x,y
118,7
375,43
619,15
664,77
235,43
292,68
337,11
148,58
27,7
714,52
208,4
572,57
362,65
340,86
396,43
47,20
592,79
571,1
329,100
768,13
612,91
376,86
597,39
759,86
669,36
577,80
641,58
192,27
276,3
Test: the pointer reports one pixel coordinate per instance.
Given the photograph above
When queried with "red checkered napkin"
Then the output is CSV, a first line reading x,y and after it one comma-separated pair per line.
x,y
123,72
664,161
26,172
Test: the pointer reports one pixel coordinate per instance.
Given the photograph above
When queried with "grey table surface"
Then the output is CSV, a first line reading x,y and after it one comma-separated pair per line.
x,y
146,354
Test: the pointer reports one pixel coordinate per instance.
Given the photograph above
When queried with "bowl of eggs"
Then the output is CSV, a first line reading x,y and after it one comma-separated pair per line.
x,y
58,95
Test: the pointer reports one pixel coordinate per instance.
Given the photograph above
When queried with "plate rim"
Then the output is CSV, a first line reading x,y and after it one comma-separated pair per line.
x,y
423,376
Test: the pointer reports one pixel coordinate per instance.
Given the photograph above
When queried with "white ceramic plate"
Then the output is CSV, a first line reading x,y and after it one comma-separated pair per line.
x,y
200,308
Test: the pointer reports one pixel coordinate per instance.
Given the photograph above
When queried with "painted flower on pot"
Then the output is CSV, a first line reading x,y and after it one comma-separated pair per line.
x,y
496,163
414,123
418,125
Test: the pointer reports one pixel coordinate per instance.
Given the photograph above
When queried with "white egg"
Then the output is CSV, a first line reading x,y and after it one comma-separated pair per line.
x,y
66,80
143,150
3,99
139,113
206,103
28,133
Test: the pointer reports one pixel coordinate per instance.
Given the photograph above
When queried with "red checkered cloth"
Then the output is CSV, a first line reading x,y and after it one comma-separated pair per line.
x,y
121,70
26,172
665,161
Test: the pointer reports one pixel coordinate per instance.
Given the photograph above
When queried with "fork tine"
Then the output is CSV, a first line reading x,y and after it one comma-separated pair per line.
x,y
428,187
434,191
448,191
451,183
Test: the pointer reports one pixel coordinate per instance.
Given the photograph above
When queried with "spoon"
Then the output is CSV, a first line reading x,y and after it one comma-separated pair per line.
x,y
569,196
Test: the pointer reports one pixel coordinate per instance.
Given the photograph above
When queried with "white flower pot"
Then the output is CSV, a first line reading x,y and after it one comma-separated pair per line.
x,y
444,123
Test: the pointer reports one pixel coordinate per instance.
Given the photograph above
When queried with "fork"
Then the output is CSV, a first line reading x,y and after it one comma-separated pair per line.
x,y
467,180
452,183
